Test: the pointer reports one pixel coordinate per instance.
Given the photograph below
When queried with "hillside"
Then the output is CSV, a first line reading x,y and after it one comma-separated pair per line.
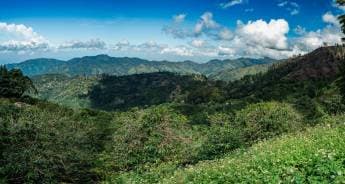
x,y
117,92
302,74
316,155
239,73
103,64
166,127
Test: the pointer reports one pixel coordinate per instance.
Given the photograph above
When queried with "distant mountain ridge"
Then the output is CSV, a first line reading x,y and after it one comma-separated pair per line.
x,y
100,64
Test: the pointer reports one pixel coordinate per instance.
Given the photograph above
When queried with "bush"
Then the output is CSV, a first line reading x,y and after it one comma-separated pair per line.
x,y
314,156
266,120
147,136
46,146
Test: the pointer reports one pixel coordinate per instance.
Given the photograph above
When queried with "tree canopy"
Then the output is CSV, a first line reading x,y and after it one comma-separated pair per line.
x,y
13,83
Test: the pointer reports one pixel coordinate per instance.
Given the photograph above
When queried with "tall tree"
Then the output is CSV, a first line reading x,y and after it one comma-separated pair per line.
x,y
341,83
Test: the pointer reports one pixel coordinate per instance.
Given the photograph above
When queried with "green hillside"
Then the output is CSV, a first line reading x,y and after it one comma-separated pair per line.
x,y
118,92
166,127
239,73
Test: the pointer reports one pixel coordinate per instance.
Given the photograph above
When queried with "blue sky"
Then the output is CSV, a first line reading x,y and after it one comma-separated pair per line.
x,y
174,30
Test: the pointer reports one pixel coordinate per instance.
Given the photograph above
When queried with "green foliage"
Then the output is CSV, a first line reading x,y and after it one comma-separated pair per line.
x,y
13,84
171,128
49,144
146,137
68,91
315,156
266,120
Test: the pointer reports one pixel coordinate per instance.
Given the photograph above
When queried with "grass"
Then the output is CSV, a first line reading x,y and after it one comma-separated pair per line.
x,y
316,155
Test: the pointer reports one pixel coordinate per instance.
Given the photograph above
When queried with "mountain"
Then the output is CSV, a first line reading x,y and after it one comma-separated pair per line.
x,y
100,64
286,79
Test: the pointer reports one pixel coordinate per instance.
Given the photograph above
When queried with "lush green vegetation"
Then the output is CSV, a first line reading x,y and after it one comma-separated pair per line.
x,y
13,83
169,128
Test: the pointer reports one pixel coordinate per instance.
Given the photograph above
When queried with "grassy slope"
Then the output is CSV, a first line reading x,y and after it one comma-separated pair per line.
x,y
316,156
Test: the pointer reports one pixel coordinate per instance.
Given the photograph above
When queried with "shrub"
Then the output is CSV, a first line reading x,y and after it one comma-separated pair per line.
x,y
266,120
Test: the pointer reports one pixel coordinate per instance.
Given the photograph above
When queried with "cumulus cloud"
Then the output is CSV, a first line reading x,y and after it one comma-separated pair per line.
x,y
329,35
268,34
231,3
330,18
21,38
206,23
90,44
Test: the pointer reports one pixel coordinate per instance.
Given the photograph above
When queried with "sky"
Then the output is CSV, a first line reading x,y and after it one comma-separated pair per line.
x,y
174,30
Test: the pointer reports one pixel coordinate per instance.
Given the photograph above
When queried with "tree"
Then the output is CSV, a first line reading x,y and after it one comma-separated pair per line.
x,y
342,17
13,83
341,82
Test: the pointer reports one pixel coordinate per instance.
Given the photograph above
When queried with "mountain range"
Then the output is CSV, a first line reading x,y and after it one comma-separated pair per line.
x,y
104,64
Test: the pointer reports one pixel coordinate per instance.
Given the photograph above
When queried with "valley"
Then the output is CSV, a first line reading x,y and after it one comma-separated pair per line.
x,y
165,127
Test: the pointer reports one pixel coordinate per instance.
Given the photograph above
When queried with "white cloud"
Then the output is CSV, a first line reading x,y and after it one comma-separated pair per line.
x,y
20,38
290,6
179,51
268,34
90,44
225,34
150,46
206,22
231,3
312,40
282,4
294,12
198,43
299,30
330,18
179,18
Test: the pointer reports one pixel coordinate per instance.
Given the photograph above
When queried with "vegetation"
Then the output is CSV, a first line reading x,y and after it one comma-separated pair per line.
x,y
342,66
239,73
170,128
13,83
